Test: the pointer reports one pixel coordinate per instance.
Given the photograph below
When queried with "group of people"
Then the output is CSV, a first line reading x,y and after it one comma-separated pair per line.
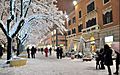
x,y
59,52
104,57
46,51
31,51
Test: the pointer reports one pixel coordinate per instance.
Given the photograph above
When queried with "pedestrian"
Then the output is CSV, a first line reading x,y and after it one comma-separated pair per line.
x,y
50,51
46,52
41,50
38,49
108,57
60,52
97,59
102,59
33,52
1,51
117,63
28,52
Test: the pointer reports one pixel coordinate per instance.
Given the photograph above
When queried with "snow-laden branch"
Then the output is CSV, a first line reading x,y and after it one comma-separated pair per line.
x,y
3,27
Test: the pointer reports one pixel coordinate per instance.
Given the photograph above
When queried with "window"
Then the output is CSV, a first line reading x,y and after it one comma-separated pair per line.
x,y
69,32
105,1
90,7
80,27
73,31
69,22
107,17
74,20
80,14
91,22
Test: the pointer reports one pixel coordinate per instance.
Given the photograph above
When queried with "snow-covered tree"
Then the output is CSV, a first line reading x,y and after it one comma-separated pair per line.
x,y
29,18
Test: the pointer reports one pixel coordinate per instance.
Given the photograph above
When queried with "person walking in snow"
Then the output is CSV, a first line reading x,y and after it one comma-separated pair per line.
x,y
108,58
33,52
46,52
50,51
60,52
28,52
117,63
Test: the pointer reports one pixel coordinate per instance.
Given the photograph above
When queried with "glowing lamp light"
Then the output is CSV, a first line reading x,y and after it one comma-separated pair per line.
x,y
66,16
74,2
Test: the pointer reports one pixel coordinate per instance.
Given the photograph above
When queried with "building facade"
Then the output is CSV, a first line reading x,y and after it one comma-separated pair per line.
x,y
97,21
54,39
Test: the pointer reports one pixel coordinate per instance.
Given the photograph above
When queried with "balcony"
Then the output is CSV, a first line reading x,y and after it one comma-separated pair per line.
x,y
72,35
91,29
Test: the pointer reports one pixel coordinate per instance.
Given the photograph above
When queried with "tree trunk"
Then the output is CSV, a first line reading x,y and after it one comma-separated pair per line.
x,y
9,48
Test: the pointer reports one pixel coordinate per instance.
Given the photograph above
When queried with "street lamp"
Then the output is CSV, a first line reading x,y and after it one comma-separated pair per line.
x,y
75,2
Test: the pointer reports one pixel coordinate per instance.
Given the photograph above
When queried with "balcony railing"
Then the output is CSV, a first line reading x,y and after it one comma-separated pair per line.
x,y
94,28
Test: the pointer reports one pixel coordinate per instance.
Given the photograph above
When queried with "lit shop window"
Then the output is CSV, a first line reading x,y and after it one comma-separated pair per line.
x,y
109,40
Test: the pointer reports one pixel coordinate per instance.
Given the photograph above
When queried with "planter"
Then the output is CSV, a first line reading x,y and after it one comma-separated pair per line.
x,y
18,62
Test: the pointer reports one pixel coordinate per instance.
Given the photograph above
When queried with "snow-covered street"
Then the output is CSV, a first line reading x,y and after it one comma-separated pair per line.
x,y
52,66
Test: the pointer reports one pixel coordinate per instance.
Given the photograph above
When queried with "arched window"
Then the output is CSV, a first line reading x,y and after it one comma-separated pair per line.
x,y
107,17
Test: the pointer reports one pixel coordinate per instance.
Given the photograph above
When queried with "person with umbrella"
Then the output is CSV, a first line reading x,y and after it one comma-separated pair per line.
x,y
115,46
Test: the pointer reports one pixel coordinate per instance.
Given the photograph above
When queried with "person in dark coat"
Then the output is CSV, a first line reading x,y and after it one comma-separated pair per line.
x,y
1,51
108,57
57,52
117,63
50,51
60,52
102,59
33,52
97,59
28,52
42,50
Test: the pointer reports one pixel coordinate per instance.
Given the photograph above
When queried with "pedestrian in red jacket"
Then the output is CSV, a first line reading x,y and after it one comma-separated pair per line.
x,y
46,52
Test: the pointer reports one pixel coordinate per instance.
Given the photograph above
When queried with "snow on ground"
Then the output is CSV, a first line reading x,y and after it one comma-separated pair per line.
x,y
52,66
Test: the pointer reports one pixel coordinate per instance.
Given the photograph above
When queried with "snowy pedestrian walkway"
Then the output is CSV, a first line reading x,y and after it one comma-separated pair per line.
x,y
42,65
